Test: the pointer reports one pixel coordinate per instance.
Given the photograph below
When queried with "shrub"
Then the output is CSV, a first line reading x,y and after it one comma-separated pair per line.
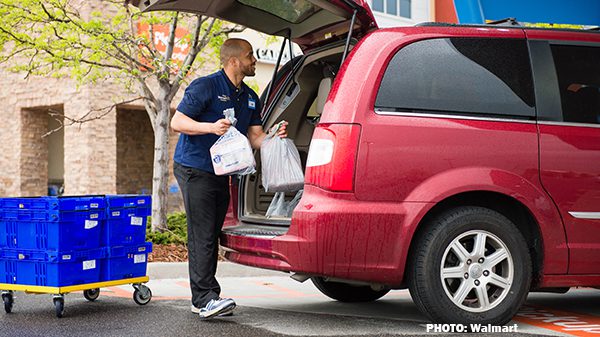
x,y
176,232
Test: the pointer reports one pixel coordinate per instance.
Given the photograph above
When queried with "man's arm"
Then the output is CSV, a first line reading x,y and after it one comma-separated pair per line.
x,y
256,135
184,124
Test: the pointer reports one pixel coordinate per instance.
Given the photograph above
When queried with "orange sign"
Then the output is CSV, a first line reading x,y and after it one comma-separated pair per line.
x,y
161,37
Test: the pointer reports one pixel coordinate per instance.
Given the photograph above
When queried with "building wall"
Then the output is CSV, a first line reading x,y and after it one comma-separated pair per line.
x,y
135,151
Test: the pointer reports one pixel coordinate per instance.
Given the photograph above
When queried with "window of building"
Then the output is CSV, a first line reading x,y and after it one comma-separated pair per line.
x,y
578,71
393,7
490,77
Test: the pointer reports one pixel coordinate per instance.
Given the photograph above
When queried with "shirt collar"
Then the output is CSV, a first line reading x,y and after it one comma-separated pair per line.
x,y
231,86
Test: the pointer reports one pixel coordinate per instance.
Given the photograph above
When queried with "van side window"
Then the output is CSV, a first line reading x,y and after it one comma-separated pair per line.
x,y
578,71
471,76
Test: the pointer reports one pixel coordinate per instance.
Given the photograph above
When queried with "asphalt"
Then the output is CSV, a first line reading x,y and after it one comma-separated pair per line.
x,y
269,304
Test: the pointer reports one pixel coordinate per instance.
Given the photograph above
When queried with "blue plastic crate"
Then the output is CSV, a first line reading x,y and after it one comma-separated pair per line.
x,y
125,262
51,269
58,231
66,203
125,226
11,214
128,200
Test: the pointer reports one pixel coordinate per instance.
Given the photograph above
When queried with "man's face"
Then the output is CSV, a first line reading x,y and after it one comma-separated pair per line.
x,y
247,62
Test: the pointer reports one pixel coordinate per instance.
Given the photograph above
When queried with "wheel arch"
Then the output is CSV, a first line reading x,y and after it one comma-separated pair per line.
x,y
513,209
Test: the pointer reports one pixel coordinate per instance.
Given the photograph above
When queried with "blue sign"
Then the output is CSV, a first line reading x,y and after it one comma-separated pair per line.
x,y
573,12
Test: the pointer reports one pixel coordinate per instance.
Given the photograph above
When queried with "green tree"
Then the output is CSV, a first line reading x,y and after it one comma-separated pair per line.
x,y
97,41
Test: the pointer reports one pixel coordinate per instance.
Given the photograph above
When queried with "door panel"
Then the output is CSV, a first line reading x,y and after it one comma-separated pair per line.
x,y
570,171
569,132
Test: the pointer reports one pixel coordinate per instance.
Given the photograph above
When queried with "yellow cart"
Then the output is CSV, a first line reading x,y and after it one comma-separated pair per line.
x,y
141,295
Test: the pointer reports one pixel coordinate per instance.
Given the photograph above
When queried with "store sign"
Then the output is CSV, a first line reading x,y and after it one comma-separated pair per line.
x,y
161,39
269,55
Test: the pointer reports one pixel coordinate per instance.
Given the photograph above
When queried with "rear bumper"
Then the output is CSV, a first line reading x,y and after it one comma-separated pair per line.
x,y
333,234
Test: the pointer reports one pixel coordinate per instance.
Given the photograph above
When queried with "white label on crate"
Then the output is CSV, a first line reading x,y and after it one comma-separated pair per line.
x,y
90,264
89,224
116,213
136,221
94,216
141,202
93,205
139,258
66,257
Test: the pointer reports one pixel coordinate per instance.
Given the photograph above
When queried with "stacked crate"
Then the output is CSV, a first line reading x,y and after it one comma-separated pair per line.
x,y
51,241
124,236
63,241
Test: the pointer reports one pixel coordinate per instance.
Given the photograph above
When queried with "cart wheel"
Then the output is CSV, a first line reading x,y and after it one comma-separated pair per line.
x,y
91,294
142,295
8,300
59,305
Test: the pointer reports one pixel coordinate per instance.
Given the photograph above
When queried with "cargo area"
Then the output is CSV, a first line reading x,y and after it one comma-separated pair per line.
x,y
300,103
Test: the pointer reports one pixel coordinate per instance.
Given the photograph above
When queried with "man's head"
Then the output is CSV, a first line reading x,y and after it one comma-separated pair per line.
x,y
237,56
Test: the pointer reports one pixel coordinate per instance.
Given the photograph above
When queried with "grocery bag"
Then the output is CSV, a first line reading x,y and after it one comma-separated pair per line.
x,y
232,154
282,208
281,167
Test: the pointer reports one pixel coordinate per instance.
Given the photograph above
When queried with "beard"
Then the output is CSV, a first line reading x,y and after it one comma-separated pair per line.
x,y
249,70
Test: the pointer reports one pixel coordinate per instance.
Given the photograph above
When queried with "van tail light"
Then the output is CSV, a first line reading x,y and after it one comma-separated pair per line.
x,y
332,157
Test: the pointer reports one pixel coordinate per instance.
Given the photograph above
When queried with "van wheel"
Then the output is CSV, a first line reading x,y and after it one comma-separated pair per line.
x,y
469,265
345,292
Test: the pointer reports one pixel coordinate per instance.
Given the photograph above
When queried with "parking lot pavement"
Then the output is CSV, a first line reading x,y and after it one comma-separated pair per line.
x,y
272,304
573,314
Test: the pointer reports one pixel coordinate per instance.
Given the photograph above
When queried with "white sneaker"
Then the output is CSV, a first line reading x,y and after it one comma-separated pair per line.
x,y
197,311
217,307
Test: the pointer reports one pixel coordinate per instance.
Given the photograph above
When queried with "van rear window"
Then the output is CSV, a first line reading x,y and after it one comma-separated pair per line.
x,y
294,11
490,77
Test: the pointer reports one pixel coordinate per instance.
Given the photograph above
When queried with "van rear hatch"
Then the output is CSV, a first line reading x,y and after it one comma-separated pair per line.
x,y
310,23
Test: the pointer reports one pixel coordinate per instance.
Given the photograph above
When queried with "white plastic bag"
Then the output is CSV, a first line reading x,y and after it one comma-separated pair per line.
x,y
281,167
278,206
232,154
294,203
282,208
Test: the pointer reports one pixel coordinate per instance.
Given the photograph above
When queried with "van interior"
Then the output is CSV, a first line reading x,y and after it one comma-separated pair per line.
x,y
300,103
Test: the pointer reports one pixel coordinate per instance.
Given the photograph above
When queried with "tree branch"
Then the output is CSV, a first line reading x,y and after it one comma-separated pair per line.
x,y
170,42
191,56
86,117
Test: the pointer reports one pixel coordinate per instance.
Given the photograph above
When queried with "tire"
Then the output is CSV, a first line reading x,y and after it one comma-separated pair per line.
x,y
91,294
467,285
8,300
345,292
142,295
59,307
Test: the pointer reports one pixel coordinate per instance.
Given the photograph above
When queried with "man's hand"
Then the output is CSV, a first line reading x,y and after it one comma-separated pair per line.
x,y
282,131
221,126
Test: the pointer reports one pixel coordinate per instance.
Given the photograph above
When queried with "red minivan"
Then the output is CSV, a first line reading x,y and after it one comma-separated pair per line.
x,y
460,162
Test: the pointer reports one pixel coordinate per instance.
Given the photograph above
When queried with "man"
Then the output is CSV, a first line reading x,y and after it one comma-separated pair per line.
x,y
199,118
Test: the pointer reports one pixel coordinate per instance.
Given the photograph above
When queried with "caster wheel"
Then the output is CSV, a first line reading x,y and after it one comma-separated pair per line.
x,y
59,306
8,300
142,295
91,294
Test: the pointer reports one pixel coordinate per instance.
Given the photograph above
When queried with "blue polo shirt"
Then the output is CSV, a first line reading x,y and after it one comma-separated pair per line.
x,y
204,101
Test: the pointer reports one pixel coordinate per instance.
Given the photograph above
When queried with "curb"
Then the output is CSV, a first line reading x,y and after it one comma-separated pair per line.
x,y
177,270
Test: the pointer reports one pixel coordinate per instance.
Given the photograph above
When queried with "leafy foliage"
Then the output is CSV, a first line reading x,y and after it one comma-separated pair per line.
x,y
175,233
103,40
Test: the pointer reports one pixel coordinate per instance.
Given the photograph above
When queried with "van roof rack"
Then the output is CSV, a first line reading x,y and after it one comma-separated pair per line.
x,y
505,25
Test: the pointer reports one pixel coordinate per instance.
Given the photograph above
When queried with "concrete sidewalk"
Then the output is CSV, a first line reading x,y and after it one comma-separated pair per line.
x,y
179,270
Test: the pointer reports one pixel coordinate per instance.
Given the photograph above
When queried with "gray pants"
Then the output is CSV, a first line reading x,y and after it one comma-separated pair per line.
x,y
206,199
